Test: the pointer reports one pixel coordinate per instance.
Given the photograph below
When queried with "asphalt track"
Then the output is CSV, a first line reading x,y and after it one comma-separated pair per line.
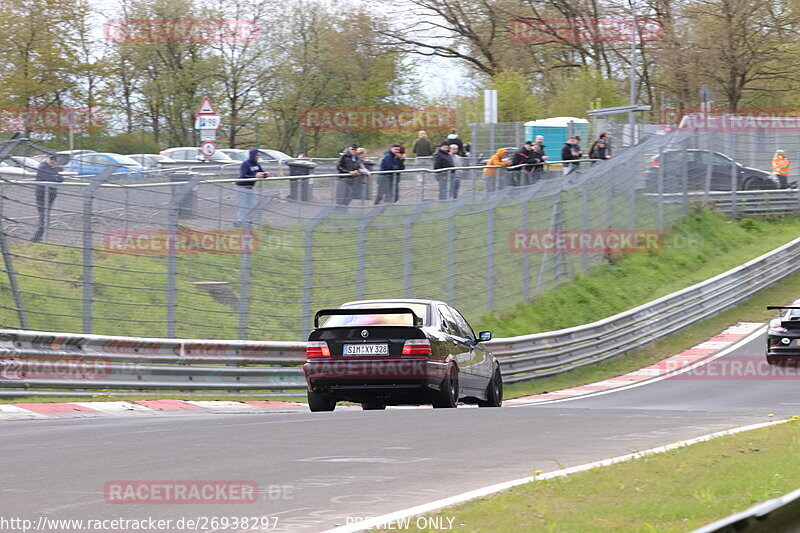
x,y
316,470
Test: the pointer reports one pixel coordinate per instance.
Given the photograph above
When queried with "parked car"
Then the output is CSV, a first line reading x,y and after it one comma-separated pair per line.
x,y
19,167
267,156
697,163
192,155
91,164
391,352
151,161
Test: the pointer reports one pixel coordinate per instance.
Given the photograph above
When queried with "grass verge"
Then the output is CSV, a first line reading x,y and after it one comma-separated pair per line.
x,y
656,493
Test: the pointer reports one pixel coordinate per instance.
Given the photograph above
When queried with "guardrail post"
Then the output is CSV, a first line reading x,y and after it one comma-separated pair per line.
x,y
87,281
10,272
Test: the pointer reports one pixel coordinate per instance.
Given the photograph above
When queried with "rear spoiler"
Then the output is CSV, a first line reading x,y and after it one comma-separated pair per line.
x,y
769,307
360,311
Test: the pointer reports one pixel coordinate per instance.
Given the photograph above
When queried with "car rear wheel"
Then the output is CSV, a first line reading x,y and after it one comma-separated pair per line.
x,y
447,396
320,402
373,406
494,391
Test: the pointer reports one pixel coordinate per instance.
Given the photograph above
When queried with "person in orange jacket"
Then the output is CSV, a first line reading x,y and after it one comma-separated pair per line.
x,y
780,168
490,175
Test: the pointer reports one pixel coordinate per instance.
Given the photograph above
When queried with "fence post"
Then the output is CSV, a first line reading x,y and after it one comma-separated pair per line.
x,y
490,257
660,180
308,268
87,280
244,278
526,256
408,250
451,255
685,181
734,187
10,272
361,269
177,197
585,222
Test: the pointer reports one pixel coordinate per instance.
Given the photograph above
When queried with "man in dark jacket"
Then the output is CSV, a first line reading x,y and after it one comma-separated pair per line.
x,y
249,169
349,163
453,139
570,152
48,171
386,182
442,159
422,146
522,156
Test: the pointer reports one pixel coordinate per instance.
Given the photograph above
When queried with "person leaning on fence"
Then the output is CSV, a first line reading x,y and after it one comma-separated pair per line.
x,y
48,171
422,147
570,152
386,182
456,175
250,169
401,165
453,139
362,186
348,164
536,159
599,151
780,168
442,159
491,176
522,160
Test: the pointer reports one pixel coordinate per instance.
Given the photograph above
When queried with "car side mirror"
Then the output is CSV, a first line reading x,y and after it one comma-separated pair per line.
x,y
485,336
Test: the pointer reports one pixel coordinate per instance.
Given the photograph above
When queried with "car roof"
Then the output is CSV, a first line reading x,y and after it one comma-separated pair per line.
x,y
395,301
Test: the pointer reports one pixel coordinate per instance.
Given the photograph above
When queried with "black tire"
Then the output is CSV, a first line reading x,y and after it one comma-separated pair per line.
x,y
373,406
494,391
752,184
447,397
319,402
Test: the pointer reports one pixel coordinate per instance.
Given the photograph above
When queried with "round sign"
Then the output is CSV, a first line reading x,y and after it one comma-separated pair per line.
x,y
208,148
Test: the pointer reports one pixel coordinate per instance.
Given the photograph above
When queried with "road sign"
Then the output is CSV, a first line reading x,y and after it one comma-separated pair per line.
x,y
206,108
208,148
208,135
207,122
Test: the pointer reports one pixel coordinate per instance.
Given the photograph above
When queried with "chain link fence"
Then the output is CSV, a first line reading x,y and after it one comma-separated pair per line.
x,y
171,258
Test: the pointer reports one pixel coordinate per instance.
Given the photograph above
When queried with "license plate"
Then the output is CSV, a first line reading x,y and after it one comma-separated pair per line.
x,y
366,349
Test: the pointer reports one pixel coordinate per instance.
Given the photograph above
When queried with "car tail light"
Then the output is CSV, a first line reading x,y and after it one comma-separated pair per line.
x,y
317,349
417,347
777,329
655,163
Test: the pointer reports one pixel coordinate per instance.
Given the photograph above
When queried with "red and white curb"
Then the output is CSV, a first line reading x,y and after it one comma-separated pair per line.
x,y
32,411
676,363
684,360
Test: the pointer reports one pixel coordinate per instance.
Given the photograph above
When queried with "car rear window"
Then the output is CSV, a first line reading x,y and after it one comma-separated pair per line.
x,y
378,319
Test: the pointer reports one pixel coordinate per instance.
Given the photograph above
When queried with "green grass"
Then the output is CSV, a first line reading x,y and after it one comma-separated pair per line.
x,y
661,492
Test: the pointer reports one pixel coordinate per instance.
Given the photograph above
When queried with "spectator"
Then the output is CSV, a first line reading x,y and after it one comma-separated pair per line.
x,y
348,164
539,141
401,165
46,194
599,151
249,169
362,187
456,175
537,159
780,168
607,138
522,156
422,147
453,139
386,182
570,152
443,159
490,175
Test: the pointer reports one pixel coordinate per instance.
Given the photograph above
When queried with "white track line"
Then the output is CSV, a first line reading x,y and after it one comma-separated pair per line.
x,y
425,508
682,370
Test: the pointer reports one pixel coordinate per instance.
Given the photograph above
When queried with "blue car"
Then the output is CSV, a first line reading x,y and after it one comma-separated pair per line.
x,y
94,163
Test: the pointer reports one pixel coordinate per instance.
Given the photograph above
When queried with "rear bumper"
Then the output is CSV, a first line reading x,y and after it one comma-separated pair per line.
x,y
359,379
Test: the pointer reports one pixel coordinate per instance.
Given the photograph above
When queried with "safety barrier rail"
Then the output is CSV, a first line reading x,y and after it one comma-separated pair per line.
x,y
35,360
778,514
742,203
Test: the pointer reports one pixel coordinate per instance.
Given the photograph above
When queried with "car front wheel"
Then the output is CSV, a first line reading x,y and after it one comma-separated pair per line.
x,y
494,391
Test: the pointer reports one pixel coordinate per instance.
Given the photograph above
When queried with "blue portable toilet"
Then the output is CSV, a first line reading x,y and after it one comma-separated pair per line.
x,y
555,132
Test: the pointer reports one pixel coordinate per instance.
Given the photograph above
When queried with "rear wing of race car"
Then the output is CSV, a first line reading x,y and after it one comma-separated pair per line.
x,y
416,320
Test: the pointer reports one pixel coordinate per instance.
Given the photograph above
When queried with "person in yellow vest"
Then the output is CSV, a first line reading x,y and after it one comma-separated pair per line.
x,y
780,167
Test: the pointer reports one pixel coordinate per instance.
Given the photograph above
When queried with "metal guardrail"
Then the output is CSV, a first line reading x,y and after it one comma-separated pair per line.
x,y
31,360
554,352
34,360
779,515
742,203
